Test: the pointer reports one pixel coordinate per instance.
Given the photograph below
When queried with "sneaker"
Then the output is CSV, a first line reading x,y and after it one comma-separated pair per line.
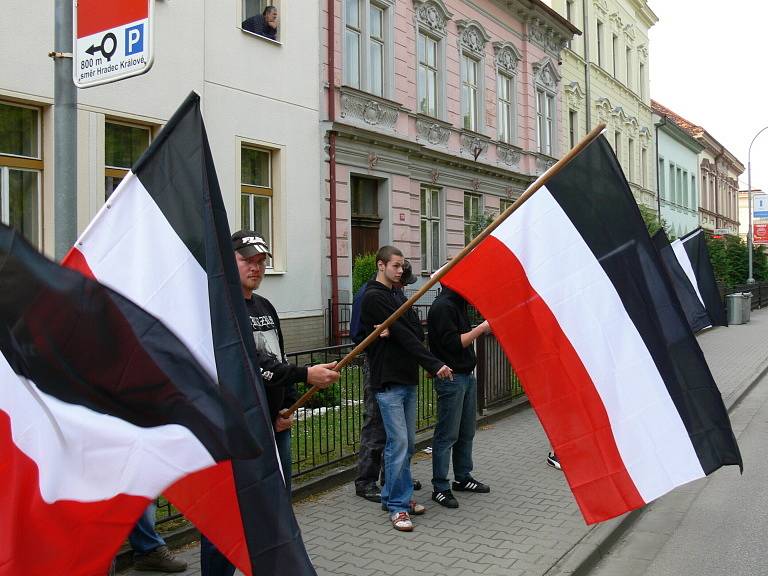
x,y
402,521
370,493
445,498
416,508
553,461
471,485
159,560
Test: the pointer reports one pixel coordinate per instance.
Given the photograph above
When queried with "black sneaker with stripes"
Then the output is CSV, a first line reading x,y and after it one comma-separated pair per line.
x,y
471,485
445,498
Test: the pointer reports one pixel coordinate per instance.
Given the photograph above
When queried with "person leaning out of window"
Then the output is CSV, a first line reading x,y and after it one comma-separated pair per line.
x,y
264,24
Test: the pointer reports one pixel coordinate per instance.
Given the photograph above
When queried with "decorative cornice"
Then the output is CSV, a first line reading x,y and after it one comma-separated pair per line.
x,y
508,156
545,36
642,50
472,37
545,74
474,144
645,135
507,56
431,131
368,109
616,21
432,14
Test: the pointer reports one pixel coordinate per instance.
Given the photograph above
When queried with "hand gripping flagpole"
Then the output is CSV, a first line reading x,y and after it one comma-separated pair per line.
x,y
538,183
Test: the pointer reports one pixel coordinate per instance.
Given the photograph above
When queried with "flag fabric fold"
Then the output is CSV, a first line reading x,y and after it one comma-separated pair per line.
x,y
686,292
163,241
692,253
101,409
575,293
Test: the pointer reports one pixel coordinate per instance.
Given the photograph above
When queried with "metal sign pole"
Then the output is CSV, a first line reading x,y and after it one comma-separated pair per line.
x,y
64,134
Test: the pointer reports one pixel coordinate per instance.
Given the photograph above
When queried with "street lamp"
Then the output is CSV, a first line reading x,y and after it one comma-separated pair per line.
x,y
751,279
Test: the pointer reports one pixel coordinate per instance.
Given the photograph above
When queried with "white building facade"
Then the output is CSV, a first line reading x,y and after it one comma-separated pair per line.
x,y
677,173
260,100
605,79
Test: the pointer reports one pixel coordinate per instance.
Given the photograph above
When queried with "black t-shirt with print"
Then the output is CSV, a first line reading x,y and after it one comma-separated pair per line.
x,y
278,375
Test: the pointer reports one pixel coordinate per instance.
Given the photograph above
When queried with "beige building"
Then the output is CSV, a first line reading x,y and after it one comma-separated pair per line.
x,y
605,79
260,101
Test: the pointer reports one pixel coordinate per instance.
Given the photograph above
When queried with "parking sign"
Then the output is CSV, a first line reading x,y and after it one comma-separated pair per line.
x,y
112,40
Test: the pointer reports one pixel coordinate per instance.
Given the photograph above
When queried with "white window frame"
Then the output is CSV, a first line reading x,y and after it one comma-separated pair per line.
x,y
471,94
507,58
422,62
600,34
273,193
546,85
479,198
19,163
242,17
363,30
430,261
431,20
631,159
121,171
573,127
506,133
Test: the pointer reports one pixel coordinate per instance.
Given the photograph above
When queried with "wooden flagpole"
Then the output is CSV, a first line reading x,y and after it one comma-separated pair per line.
x,y
538,183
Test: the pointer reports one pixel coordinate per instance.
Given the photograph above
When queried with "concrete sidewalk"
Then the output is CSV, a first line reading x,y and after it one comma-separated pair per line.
x,y
528,524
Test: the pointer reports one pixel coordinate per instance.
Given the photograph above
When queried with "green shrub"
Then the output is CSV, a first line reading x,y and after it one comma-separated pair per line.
x,y
330,396
362,269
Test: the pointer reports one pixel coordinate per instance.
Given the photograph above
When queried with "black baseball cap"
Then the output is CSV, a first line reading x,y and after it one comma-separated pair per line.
x,y
248,243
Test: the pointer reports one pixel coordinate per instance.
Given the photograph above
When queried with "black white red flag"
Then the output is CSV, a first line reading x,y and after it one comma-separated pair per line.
x,y
687,291
575,293
692,253
163,240
101,409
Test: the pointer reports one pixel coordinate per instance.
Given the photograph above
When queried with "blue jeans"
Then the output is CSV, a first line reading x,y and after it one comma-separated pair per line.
x,y
213,562
397,405
455,429
143,537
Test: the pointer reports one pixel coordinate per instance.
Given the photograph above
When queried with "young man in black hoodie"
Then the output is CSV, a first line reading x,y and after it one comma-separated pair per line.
x,y
451,337
394,362
279,377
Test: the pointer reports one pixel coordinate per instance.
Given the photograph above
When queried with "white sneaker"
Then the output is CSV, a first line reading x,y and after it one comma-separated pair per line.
x,y
402,521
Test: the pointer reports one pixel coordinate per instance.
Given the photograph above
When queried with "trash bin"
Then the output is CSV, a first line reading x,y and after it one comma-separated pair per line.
x,y
739,305
746,306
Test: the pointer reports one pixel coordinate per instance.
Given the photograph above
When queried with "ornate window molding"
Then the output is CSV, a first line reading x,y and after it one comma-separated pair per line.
x,y
472,37
507,57
508,156
473,144
575,94
428,130
545,74
601,5
630,35
642,50
616,21
432,15
366,109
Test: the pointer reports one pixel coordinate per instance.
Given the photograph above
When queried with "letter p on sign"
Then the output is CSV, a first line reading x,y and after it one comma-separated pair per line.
x,y
134,39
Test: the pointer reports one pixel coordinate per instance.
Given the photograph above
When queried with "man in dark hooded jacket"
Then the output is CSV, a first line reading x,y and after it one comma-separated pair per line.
x,y
451,338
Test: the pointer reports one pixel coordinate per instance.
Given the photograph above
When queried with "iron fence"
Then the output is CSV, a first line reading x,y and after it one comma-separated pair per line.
x,y
337,325
759,292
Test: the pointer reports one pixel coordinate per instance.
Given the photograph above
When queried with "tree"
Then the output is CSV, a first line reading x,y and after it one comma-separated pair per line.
x,y
652,222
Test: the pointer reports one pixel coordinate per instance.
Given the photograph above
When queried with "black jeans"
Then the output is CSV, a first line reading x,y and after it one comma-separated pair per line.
x,y
372,436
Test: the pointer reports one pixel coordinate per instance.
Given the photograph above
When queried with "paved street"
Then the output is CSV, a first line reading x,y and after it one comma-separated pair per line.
x,y
529,523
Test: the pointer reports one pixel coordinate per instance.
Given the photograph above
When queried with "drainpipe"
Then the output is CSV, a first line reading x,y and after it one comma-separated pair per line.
x,y
332,171
587,72
658,176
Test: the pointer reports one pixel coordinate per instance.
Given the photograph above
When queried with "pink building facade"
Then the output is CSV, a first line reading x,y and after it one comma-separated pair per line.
x,y
442,114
